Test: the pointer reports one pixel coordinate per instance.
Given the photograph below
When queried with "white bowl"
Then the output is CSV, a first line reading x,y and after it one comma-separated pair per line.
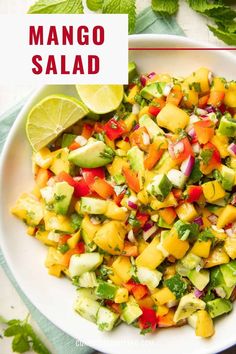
x,y
25,256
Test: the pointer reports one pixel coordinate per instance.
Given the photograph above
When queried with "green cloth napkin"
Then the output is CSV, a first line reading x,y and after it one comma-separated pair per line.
x,y
147,22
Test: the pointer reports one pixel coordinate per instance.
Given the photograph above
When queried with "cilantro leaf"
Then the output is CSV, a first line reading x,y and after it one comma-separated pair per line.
x,y
166,7
20,344
94,5
177,285
13,330
224,35
206,235
212,9
57,7
206,155
121,7
186,230
196,174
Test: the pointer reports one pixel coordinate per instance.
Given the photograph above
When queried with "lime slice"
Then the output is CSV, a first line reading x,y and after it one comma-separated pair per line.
x,y
50,117
101,99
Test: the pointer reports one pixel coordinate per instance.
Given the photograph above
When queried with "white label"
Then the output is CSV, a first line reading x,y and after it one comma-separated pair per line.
x,y
64,49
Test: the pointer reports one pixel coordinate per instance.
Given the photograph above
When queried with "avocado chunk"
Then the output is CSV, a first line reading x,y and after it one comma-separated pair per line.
x,y
218,307
93,206
227,177
153,90
190,261
106,319
136,158
132,70
87,308
81,263
67,139
227,126
62,197
160,187
106,291
152,128
94,154
199,279
161,223
131,312
187,306
229,273
218,284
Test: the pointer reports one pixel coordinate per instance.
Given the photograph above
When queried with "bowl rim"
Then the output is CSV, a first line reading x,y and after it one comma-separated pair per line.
x,y
136,38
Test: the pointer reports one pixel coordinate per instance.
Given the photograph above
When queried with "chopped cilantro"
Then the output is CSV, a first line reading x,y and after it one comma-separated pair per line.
x,y
196,174
206,235
63,248
133,221
186,230
177,285
196,86
76,220
206,155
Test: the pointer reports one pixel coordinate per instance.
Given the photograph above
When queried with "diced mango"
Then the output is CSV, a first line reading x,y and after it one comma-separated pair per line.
x,y
110,237
142,244
162,296
115,212
227,216
169,272
144,110
109,142
132,93
172,118
57,222
143,197
42,236
230,246
146,301
43,157
167,320
56,270
162,310
28,209
60,161
217,256
218,84
122,268
202,248
131,121
186,212
168,202
230,97
205,214
221,142
73,240
151,257
190,96
122,295
200,76
174,245
213,191
165,164
123,145
204,325
54,257
117,166
115,278
219,235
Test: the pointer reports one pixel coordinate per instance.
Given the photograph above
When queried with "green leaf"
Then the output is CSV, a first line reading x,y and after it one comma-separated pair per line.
x,y
37,344
224,35
121,7
13,330
177,285
57,7
166,7
13,322
20,344
213,9
94,5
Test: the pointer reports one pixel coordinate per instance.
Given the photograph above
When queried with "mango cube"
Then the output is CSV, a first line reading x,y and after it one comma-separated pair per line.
x,y
122,295
204,325
213,191
174,245
151,257
122,268
162,296
186,212
201,248
172,118
217,256
227,216
230,247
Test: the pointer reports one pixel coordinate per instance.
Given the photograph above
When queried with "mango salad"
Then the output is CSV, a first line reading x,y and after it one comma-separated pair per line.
x,y
137,207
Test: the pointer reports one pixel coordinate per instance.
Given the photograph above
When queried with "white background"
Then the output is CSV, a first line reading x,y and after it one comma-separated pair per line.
x,y
194,26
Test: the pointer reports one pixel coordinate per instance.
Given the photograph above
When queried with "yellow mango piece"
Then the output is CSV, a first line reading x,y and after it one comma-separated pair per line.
x,y
88,229
115,278
169,272
227,216
43,157
110,237
122,295
31,230
123,145
219,235
115,212
230,246
151,257
132,93
162,296
174,245
57,222
213,191
204,325
190,98
221,142
110,143
142,244
54,257
56,270
165,164
29,209
202,248
131,121
143,197
165,118
217,256
200,76
73,240
218,84
205,214
168,202
122,267
186,212
147,302
60,161
144,110
162,310
230,98
42,236
117,166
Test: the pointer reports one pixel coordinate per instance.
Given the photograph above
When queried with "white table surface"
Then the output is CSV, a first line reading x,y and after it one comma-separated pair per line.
x,y
194,25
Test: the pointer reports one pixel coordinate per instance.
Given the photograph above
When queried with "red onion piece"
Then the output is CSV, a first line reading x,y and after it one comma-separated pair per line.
x,y
198,293
198,221
192,133
232,149
143,80
150,75
187,165
213,219
137,126
210,109
126,139
132,205
148,225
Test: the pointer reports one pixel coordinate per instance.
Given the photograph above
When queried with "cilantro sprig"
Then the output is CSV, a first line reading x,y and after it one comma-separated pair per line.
x,y
24,337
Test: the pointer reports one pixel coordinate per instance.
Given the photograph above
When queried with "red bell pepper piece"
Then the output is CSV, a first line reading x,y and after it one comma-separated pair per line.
x,y
102,188
90,174
73,146
131,179
185,149
81,188
193,193
87,131
142,218
79,248
204,130
154,110
118,198
210,164
114,129
148,319
130,285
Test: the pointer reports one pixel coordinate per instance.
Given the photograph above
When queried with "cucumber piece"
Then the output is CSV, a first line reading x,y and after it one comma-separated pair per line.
x,y
93,206
152,128
88,280
131,312
87,308
190,261
106,319
149,277
177,178
160,187
86,293
227,126
81,263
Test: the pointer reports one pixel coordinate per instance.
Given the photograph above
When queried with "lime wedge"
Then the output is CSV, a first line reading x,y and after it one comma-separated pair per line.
x,y
101,99
50,117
